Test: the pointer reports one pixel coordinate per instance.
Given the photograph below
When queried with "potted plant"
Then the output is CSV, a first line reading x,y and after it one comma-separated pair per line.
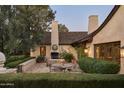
x,y
67,56
40,59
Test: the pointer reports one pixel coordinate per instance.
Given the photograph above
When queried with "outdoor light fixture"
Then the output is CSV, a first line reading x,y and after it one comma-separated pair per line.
x,y
122,51
86,50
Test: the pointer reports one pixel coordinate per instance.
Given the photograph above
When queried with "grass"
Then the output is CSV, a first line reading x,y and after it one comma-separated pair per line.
x,y
65,80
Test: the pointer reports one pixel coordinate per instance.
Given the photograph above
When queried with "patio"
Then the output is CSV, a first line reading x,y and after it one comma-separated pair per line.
x,y
52,68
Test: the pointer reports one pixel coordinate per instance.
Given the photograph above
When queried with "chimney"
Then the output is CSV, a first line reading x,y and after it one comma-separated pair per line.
x,y
93,23
54,40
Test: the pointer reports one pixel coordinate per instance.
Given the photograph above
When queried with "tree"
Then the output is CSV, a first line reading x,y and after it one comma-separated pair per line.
x,y
5,15
62,28
32,21
22,27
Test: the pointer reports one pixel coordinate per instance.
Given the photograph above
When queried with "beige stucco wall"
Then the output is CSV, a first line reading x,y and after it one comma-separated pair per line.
x,y
90,48
67,48
54,35
93,23
35,52
113,31
48,51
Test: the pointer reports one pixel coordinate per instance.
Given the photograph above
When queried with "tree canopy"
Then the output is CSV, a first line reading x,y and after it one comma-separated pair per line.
x,y
62,28
22,27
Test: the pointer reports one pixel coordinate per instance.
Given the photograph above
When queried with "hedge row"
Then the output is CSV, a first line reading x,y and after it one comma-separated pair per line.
x,y
61,80
16,63
90,65
15,58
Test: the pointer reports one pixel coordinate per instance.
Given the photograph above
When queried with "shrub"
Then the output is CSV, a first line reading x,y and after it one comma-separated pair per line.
x,y
62,80
15,58
67,56
40,59
16,63
90,65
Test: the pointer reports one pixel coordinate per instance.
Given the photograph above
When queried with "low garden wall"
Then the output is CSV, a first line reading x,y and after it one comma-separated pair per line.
x,y
55,60
26,65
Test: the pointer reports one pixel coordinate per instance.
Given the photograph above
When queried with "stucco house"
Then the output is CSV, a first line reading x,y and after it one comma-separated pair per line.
x,y
107,40
55,42
102,42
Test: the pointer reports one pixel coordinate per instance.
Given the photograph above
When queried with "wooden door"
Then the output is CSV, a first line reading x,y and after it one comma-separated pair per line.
x,y
43,50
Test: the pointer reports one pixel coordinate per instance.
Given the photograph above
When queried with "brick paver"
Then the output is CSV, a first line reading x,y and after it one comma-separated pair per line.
x,y
42,68
38,68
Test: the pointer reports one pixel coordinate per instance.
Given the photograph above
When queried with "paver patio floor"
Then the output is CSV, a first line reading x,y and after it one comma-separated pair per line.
x,y
38,68
42,68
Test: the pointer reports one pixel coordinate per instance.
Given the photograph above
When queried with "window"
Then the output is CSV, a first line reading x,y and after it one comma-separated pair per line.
x,y
43,50
107,51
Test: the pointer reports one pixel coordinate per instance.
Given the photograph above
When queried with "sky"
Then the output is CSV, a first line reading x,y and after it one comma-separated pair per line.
x,y
75,17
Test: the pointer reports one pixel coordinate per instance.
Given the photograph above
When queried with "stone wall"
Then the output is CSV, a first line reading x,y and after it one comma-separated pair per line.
x,y
26,65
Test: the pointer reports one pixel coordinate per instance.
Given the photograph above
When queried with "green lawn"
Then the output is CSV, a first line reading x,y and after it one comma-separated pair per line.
x,y
63,80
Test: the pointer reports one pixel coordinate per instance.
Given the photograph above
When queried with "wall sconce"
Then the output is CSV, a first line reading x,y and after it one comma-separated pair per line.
x,y
122,52
86,50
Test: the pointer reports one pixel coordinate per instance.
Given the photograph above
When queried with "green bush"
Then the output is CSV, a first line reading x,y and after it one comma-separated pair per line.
x,y
90,65
62,80
40,59
16,63
67,56
15,58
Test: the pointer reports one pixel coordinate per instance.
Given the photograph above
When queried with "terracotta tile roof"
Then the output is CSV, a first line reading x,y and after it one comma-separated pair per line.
x,y
65,38
90,36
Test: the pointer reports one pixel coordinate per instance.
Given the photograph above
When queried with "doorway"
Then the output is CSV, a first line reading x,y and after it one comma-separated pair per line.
x,y
43,50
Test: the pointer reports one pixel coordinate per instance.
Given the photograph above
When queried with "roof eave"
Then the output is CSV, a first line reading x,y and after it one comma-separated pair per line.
x,y
109,17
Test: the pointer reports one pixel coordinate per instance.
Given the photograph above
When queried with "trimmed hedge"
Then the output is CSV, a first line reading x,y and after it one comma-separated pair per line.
x,y
15,58
16,63
62,80
90,65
